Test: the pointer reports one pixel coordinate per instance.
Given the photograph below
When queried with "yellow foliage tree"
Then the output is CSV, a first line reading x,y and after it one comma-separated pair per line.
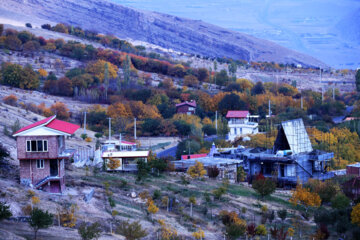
x,y
355,215
98,69
43,72
152,208
166,231
197,170
305,197
199,234
113,163
35,200
118,110
68,217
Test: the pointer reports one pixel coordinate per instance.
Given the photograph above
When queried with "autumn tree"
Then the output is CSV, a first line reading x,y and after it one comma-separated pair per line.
x,y
191,81
203,75
263,186
13,43
232,102
64,86
197,170
98,70
30,79
39,220
60,110
355,215
113,164
68,215
303,196
60,28
10,100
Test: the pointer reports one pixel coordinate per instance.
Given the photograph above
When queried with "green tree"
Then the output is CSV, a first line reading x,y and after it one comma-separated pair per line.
x,y
3,152
11,74
282,213
340,201
131,231
143,170
1,29
126,70
24,36
40,220
221,78
88,232
232,102
258,89
5,213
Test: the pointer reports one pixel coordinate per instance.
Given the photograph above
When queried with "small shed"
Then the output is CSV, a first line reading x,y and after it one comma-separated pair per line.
x,y
353,169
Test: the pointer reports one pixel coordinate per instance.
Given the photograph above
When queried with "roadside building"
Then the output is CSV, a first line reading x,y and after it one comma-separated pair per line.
x,y
186,107
127,160
241,123
353,169
42,152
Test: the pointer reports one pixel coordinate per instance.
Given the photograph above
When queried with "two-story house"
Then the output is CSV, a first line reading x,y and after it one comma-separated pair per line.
x,y
186,107
240,125
41,152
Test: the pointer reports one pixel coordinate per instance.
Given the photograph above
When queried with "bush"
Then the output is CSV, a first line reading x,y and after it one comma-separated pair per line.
x,y
263,186
213,172
282,214
88,232
340,201
10,100
83,136
88,139
28,25
5,213
261,230
131,231
157,194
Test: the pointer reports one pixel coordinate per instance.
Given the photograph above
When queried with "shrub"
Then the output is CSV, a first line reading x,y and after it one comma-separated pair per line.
x,y
88,232
5,213
10,100
88,139
263,186
98,135
83,136
261,230
340,201
213,171
282,213
28,25
131,231
157,194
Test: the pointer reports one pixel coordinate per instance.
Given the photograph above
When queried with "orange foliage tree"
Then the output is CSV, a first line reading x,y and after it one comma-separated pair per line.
x,y
61,111
303,196
10,100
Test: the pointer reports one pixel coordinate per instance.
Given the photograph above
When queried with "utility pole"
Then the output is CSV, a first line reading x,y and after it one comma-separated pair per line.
x,y
85,122
333,90
135,128
109,129
322,88
216,123
269,108
120,138
302,104
189,147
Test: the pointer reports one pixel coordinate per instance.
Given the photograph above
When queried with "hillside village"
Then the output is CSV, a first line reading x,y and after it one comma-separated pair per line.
x,y
104,139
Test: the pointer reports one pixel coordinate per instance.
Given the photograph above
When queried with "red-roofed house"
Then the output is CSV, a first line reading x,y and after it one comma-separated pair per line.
x,y
240,125
41,153
186,107
192,156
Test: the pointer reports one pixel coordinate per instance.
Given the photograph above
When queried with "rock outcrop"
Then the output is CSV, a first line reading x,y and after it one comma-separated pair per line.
x,y
185,35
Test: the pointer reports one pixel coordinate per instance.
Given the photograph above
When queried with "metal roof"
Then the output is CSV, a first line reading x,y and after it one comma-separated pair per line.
x,y
297,136
126,154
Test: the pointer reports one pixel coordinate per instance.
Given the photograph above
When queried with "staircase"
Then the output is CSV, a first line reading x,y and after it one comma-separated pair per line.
x,y
45,180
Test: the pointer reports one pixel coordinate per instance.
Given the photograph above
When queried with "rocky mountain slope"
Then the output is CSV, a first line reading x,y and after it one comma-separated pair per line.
x,y
189,36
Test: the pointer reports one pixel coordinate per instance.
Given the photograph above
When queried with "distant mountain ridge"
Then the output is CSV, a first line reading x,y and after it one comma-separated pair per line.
x,y
185,35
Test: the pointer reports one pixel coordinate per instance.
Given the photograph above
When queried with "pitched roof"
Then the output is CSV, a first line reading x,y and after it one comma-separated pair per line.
x,y
237,114
62,126
52,123
192,104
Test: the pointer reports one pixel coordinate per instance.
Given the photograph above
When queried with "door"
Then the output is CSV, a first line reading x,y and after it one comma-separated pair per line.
x,y
54,171
55,187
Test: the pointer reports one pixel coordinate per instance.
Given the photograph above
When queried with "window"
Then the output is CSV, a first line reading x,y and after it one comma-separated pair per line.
x,y
36,146
40,163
